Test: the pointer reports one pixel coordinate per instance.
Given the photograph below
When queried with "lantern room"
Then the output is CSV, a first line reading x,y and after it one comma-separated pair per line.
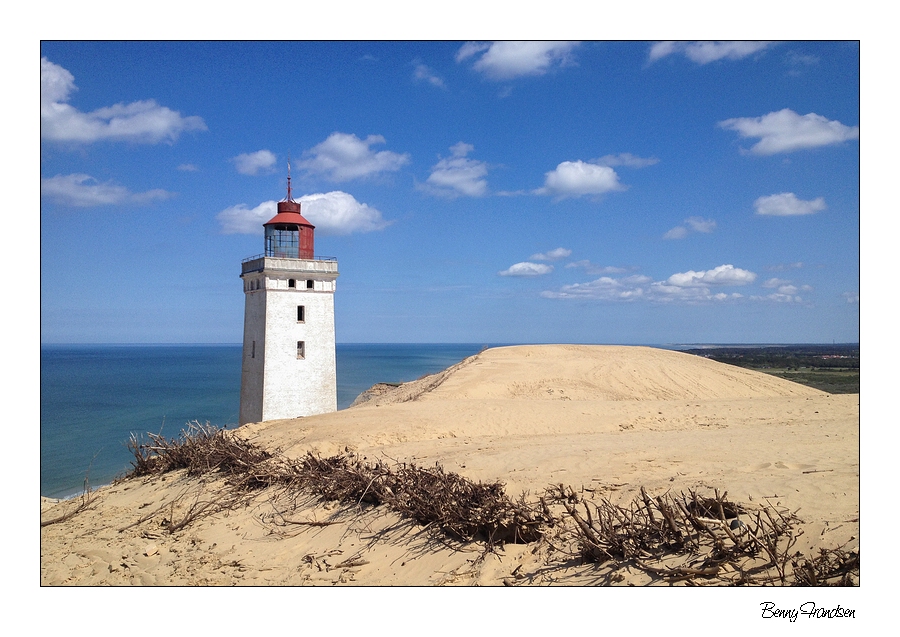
x,y
288,234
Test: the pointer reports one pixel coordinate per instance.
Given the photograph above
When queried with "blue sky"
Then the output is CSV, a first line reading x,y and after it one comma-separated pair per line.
x,y
598,192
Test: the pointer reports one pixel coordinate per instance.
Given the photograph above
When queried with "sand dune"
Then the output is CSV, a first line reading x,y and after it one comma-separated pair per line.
x,y
578,372
601,418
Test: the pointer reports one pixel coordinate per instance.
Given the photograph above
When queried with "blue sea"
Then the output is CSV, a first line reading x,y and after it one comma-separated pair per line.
x,y
93,397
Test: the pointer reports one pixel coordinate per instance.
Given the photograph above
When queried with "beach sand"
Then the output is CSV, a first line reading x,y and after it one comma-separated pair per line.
x,y
603,420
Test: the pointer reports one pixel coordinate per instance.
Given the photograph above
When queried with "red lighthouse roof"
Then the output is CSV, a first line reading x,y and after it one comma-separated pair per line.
x,y
289,212
288,209
288,234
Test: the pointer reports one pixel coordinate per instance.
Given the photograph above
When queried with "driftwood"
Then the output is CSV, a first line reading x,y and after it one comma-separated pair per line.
x,y
691,538
703,535
85,502
200,449
835,567
462,509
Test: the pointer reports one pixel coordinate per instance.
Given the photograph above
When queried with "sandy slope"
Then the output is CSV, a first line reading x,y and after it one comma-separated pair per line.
x,y
604,418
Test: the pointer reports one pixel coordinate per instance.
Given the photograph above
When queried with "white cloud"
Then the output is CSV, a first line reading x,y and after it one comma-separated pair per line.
x,y
695,224
56,83
422,73
254,163
143,121
332,213
339,213
706,52
785,291
457,175
342,157
852,297
470,49
240,219
190,168
592,268
785,131
507,60
699,224
626,159
784,294
678,232
553,255
605,288
799,62
689,287
577,178
84,191
786,204
722,275
527,268
666,293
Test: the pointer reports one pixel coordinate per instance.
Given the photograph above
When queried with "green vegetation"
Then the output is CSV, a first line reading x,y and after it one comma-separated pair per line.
x,y
831,368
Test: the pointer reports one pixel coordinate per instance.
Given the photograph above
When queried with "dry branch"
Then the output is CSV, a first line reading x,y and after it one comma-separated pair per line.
x,y
460,508
691,536
86,501
702,534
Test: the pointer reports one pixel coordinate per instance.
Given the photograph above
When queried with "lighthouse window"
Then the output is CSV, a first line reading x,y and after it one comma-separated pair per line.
x,y
282,241
301,349
292,283
301,314
309,284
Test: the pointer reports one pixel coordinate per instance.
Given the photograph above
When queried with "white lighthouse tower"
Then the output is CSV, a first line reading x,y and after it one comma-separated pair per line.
x,y
288,367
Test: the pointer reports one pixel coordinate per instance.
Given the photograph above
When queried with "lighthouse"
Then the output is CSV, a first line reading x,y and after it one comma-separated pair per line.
x,y
288,365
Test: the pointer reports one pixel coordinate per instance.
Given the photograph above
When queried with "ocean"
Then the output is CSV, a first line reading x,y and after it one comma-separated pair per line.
x,y
93,397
